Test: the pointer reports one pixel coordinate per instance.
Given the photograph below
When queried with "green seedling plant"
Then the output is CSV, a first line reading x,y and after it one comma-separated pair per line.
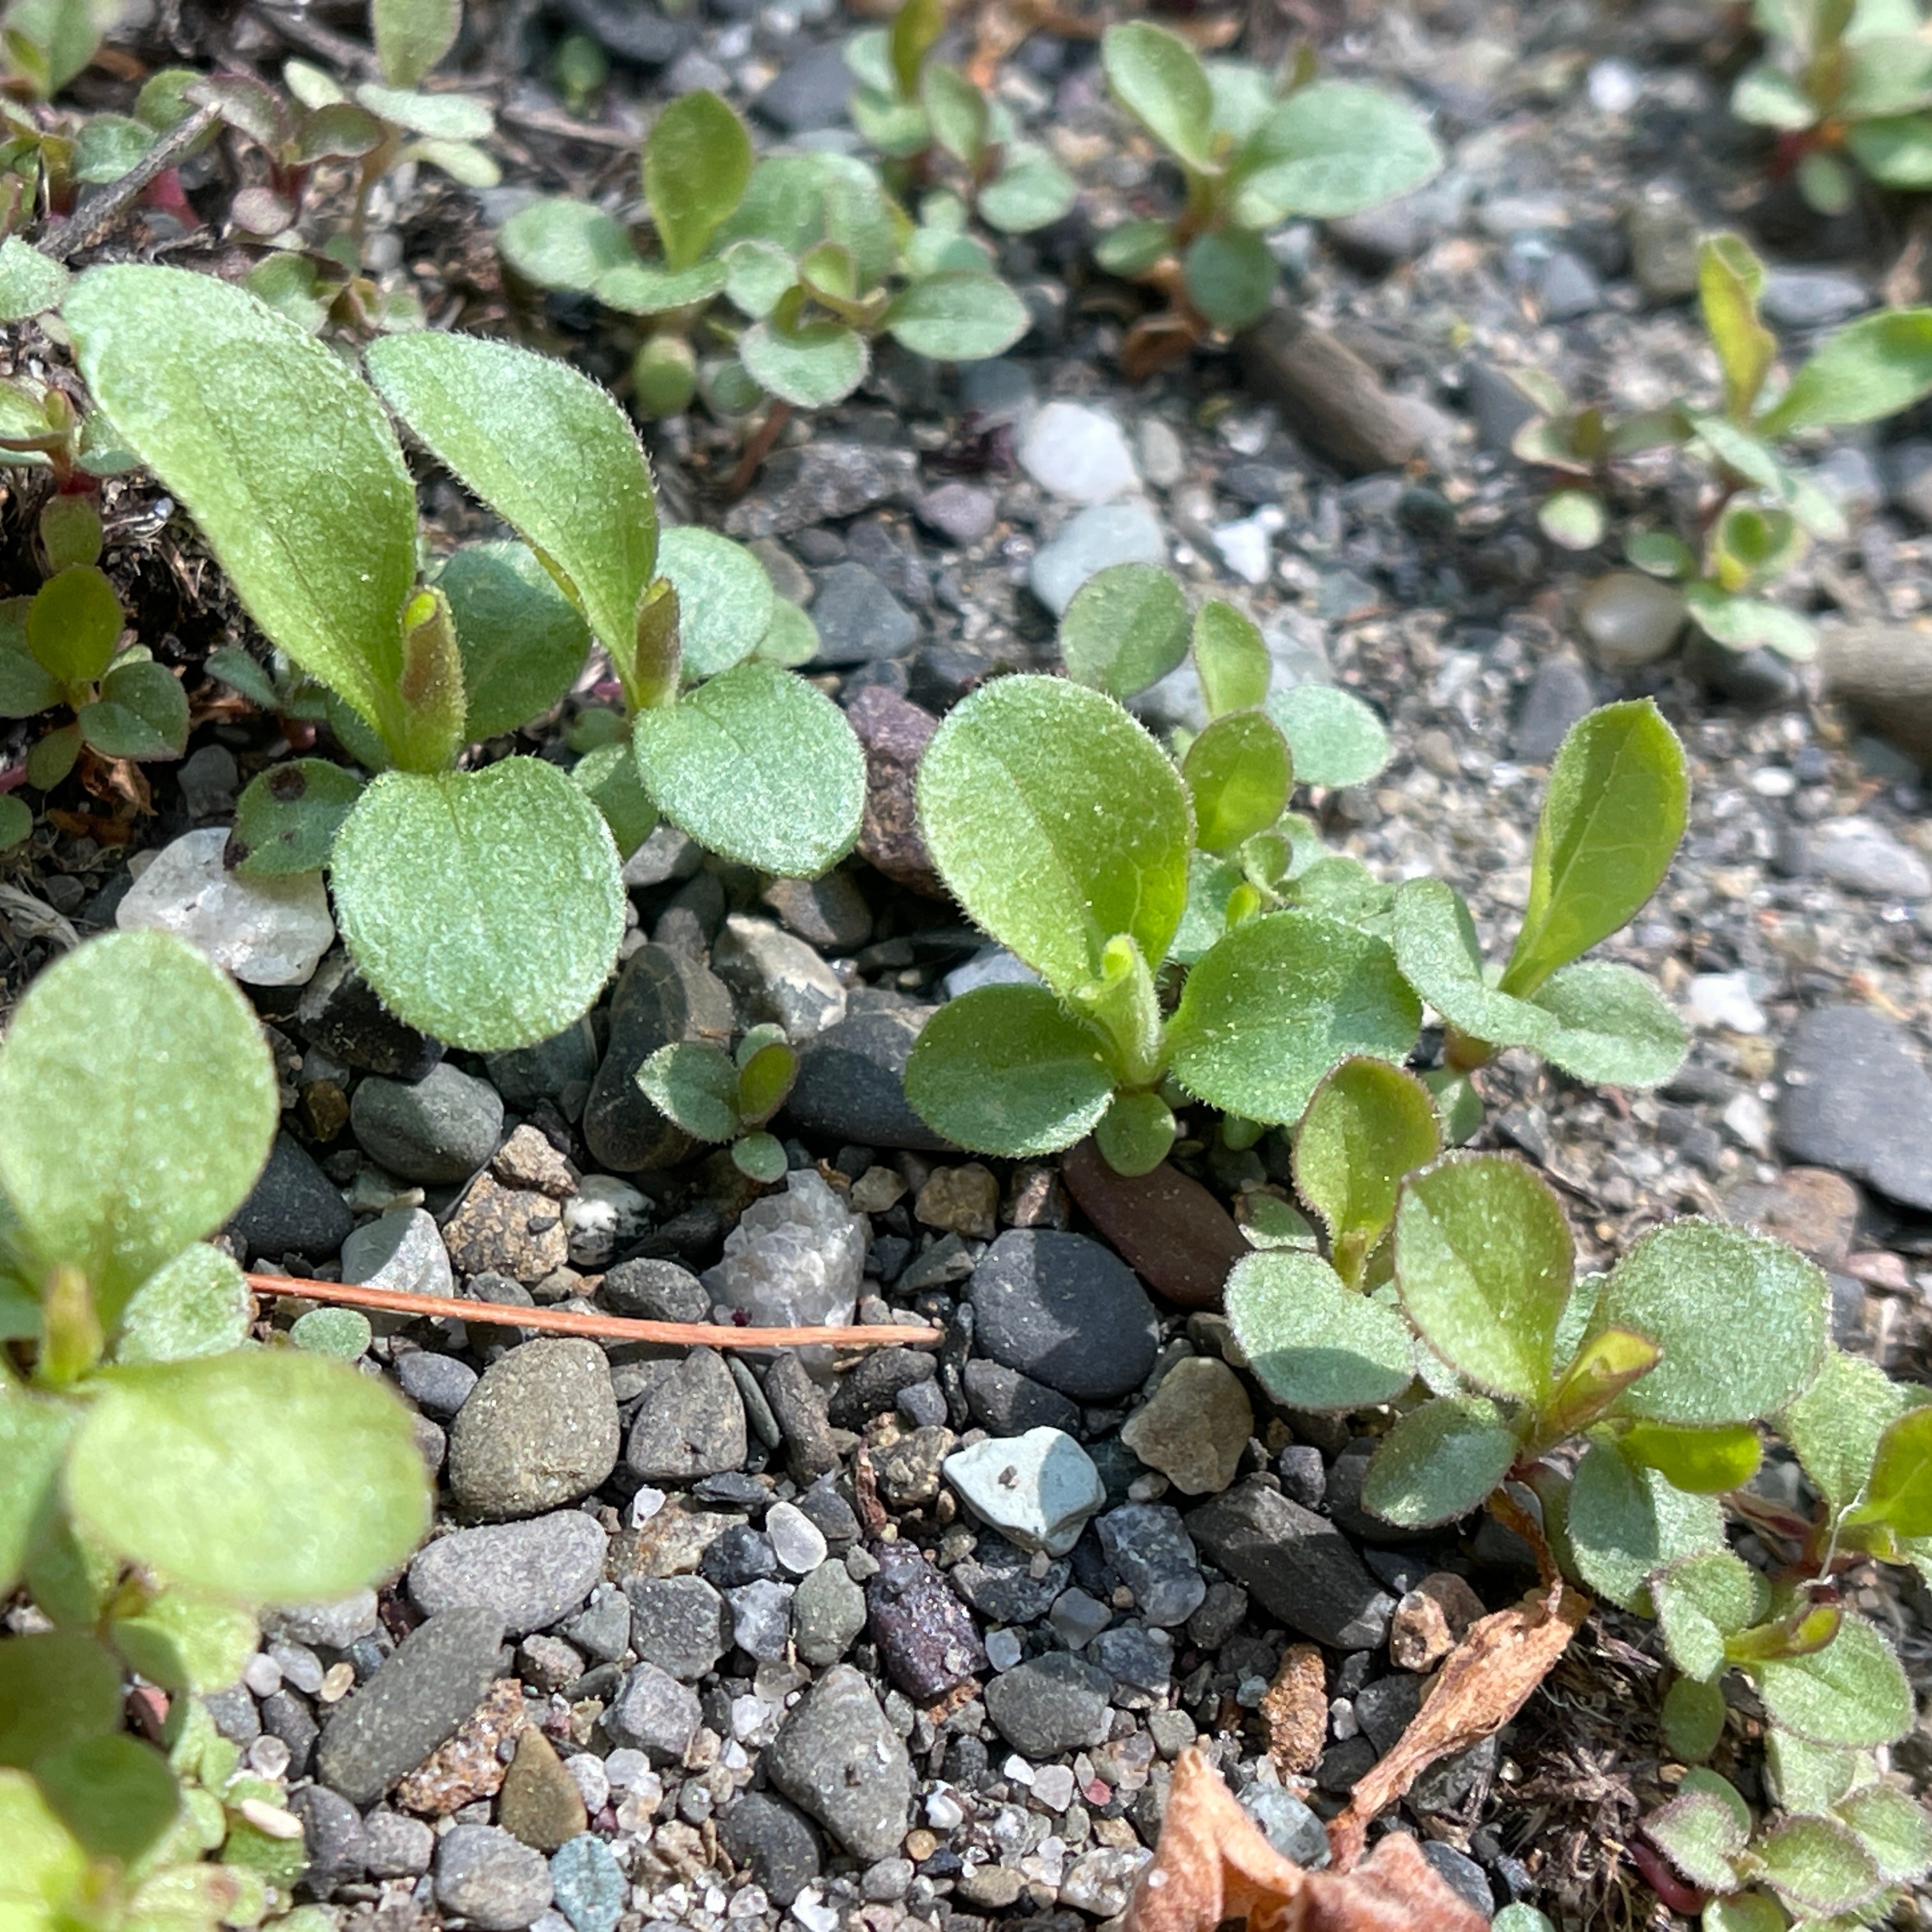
x,y
1847,86
46,44
1255,151
809,251
61,649
164,1479
934,125
484,905
720,1097
1756,510
380,125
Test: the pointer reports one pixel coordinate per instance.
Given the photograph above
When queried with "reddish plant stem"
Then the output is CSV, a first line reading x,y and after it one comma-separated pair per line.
x,y
757,449
609,1327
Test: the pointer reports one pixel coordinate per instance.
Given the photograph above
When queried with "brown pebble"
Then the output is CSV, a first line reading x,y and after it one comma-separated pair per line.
x,y
527,1160
1295,1708
1168,1228
467,1767
1431,1620
961,1200
540,1804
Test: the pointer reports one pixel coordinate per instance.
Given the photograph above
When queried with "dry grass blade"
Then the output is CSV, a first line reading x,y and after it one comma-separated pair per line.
x,y
610,1327
1213,1865
1483,1684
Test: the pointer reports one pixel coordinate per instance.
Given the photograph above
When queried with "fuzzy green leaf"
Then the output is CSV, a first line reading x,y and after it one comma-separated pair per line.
x,y
1237,774
137,1103
758,766
1693,1718
114,1794
1312,1343
34,1433
1701,1835
1006,1070
454,119
1230,657
1231,277
411,36
1573,519
724,598
643,288
1742,1320
1874,368
1701,1601
1800,1776
1625,1524
1899,1489
1031,190
30,283
142,712
564,244
1818,1867
812,366
343,1332
239,411
1271,1008
1851,1693
485,907
1834,1427
608,775
698,164
1331,149
1436,946
56,1688
1730,279
1745,623
1613,1026
267,1476
548,450
74,623
1893,1827
1368,1125
1439,1462
184,1642
1335,738
287,817
1483,1262
1706,1461
197,1304
1611,822
958,315
1895,150
695,1084
1157,77
1125,629
1057,823
523,641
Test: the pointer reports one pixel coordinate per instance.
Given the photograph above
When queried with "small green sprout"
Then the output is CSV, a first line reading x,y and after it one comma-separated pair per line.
x,y
716,1095
1255,151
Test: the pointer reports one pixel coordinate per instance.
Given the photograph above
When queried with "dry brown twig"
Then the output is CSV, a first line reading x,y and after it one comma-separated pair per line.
x,y
606,1328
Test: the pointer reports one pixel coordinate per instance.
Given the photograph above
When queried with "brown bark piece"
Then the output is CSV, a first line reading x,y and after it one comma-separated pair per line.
x,y
1884,672
1329,396
1485,1681
1213,1865
1295,1708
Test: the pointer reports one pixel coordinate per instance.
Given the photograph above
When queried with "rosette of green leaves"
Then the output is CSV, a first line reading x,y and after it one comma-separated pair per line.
x,y
484,906
162,1479
716,1095
911,108
1610,824
1066,834
1253,157
62,647
1843,81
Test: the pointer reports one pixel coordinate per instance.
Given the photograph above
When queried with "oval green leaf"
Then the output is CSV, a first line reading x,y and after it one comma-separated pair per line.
x,y
1852,1693
1158,78
287,817
1125,629
269,1476
197,1305
1439,1462
1238,775
1057,823
1613,1026
1369,1124
1331,149
1312,1343
1335,738
724,598
523,641
564,244
697,163
142,712
485,907
1871,368
1624,1524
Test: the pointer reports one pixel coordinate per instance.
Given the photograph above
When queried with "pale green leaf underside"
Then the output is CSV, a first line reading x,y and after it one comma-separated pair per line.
x,y
1006,1070
1436,946
485,907
1439,1462
1271,1007
1851,1694
1834,1427
1312,1343
547,449
1613,1026
1624,1525
197,1304
284,459
264,1476
724,599
137,1101
1057,823
757,766
1335,738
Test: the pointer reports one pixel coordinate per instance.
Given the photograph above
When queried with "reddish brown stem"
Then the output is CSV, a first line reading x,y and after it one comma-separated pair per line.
x,y
757,449
608,1327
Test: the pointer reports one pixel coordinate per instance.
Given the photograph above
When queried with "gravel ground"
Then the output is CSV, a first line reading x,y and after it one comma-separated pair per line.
x,y
702,1642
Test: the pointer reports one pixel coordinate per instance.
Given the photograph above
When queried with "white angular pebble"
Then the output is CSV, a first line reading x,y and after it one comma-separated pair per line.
x,y
1003,1649
267,932
794,1260
1037,1490
1723,1002
796,1540
1075,452
1053,1786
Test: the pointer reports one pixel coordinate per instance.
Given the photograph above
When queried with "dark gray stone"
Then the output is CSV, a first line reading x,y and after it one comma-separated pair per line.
x,y
1066,1309
1462,1876
341,1014
1570,287
293,1209
679,1623
656,1291
690,1422
1287,1824
633,30
1152,1554
429,1684
829,913
859,621
1812,298
774,1843
485,1876
798,1407
234,1715
1053,1704
1298,1565
333,1837
654,1714
926,1636
961,513
1499,407
1005,1402
828,1612
662,996
539,1432
871,1387
439,1385
1559,695
1857,1098
998,1581
836,1756
442,1129
821,481
1384,1708
532,1574
851,1082
287,1715
810,93
560,1069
